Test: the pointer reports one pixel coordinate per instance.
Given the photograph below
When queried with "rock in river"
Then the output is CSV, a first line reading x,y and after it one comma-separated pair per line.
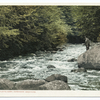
x,y
90,59
56,77
29,84
72,60
51,66
53,82
55,85
6,84
79,70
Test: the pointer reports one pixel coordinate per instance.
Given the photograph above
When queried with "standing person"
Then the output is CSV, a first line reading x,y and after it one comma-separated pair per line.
x,y
87,43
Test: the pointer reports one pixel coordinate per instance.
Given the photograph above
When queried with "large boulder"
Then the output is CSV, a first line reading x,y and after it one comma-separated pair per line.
x,y
90,59
56,77
55,85
6,84
53,82
29,84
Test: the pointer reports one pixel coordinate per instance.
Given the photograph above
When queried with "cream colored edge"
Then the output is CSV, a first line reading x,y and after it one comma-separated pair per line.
x,y
49,93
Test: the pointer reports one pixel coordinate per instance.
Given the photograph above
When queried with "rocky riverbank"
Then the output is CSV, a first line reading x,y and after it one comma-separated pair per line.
x,y
53,82
25,70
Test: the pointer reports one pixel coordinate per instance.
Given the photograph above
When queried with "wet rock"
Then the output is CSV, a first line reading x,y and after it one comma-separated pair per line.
x,y
20,56
53,51
55,85
90,59
24,67
6,84
72,60
29,84
79,70
60,49
33,54
27,58
50,59
56,77
3,69
51,66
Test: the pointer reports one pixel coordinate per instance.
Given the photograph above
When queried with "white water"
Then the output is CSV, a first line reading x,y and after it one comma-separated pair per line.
x,y
35,66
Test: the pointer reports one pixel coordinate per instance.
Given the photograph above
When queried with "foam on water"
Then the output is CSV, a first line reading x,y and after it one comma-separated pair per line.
x,y
35,66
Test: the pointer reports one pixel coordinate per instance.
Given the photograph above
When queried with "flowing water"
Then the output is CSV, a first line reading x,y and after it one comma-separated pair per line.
x,y
35,66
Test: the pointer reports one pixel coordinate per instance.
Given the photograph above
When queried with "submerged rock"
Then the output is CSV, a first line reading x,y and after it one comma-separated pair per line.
x,y
53,51
79,70
61,49
56,77
55,85
90,59
51,66
72,60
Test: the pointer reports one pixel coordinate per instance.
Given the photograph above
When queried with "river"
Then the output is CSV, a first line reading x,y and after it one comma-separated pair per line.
x,y
35,66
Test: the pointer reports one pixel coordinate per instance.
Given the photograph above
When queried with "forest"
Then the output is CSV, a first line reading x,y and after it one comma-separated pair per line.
x,y
27,29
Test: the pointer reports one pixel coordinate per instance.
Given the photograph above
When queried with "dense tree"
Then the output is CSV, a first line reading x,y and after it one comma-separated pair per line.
x,y
26,29
31,28
87,21
73,35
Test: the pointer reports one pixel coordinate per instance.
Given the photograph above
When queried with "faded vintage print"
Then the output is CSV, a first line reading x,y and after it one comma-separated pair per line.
x,y
49,47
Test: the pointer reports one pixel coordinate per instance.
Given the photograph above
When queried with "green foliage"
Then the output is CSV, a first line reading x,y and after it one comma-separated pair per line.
x,y
73,33
87,21
26,29
6,31
98,38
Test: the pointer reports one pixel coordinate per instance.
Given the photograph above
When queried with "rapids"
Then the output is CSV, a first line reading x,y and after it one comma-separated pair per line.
x,y
35,66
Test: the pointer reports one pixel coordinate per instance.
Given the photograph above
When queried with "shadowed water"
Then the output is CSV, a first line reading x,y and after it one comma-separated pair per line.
x,y
35,66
